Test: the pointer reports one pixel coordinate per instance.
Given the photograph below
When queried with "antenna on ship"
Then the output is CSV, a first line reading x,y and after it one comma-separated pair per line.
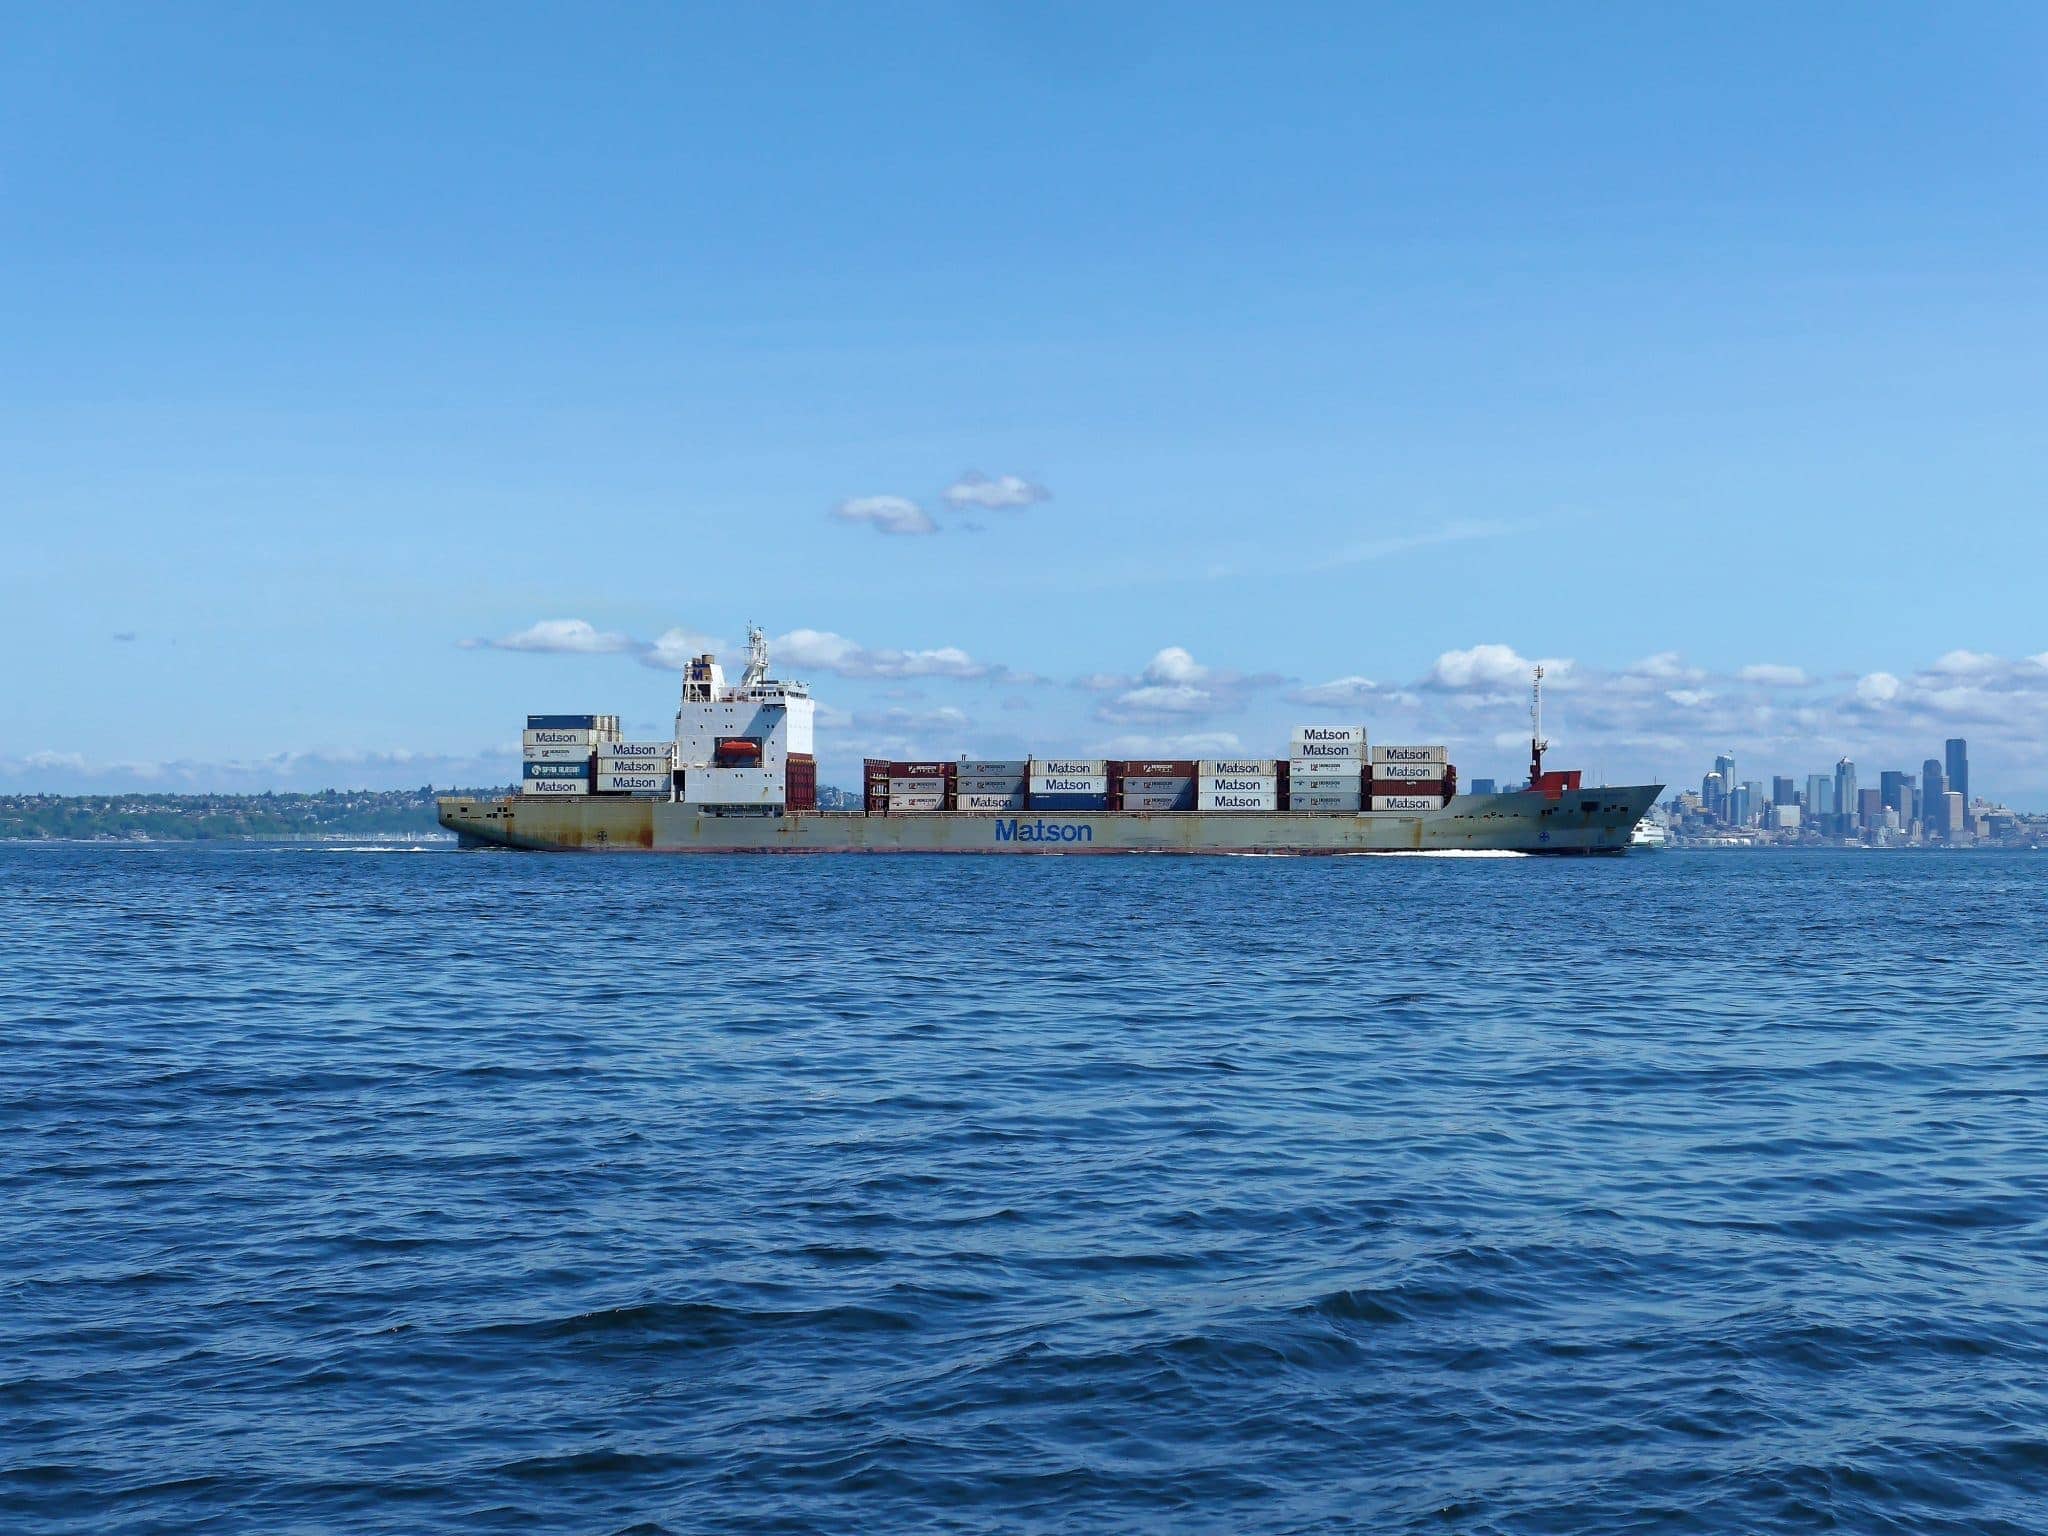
x,y
1537,745
757,656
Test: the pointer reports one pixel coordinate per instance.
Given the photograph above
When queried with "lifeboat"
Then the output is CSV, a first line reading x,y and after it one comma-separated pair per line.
x,y
739,752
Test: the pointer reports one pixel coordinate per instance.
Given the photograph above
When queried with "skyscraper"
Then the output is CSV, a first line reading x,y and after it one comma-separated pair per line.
x,y
1845,793
1933,785
1820,800
1783,791
1714,796
1891,790
1959,770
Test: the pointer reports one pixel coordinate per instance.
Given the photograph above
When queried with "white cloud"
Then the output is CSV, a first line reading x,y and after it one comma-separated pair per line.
x,y
1688,698
1965,664
1665,666
823,651
1490,666
994,493
674,649
1770,674
1165,699
886,514
1174,664
1877,688
564,637
1341,690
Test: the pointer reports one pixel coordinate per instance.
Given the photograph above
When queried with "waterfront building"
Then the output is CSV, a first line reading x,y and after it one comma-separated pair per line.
x,y
1485,787
1952,816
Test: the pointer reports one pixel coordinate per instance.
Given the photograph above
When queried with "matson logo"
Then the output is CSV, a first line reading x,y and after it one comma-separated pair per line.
x,y
1010,830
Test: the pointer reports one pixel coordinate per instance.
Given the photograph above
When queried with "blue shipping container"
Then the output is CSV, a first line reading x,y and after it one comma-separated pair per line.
x,y
561,722
1070,802
580,770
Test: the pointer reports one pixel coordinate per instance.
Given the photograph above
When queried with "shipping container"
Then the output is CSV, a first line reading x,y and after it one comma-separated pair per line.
x,y
1237,800
1059,802
924,770
645,751
1068,768
1351,735
1327,752
1170,786
1333,773
1388,773
908,786
1069,784
552,736
1019,769
1239,783
991,786
576,770
1343,801
800,781
555,787
1407,802
576,754
1013,801
917,803
633,783
562,722
1236,767
1436,754
1174,768
1437,787
1157,800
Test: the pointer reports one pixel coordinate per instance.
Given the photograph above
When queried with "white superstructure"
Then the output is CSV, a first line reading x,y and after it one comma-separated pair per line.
x,y
734,743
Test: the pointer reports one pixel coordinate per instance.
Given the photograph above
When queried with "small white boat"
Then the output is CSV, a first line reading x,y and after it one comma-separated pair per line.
x,y
1649,834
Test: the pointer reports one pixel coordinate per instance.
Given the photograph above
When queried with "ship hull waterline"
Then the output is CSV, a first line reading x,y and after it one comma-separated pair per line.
x,y
1598,820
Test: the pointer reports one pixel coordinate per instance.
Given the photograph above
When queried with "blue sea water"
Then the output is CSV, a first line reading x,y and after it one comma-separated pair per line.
x,y
355,1190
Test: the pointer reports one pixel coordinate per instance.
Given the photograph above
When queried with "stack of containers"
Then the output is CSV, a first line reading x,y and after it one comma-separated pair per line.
x,y
1152,786
874,800
1069,784
636,768
556,752
1326,768
1237,784
1411,778
917,787
991,786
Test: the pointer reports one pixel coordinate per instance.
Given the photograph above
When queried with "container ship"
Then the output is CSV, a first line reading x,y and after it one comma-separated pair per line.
x,y
739,776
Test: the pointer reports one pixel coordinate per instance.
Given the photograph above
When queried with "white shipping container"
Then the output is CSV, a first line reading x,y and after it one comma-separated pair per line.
x,y
1012,801
1069,768
1235,767
1267,783
632,783
1330,735
650,751
555,787
1324,802
1419,772
1436,754
554,738
1406,803
1237,800
1328,752
916,803
1069,783
576,754
1157,800
917,787
1019,769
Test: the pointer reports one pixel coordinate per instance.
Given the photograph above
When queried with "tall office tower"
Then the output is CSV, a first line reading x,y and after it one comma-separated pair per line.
x,y
1820,798
1845,793
1714,796
1724,765
1952,816
1783,790
1752,802
1869,809
1959,770
1891,792
1933,785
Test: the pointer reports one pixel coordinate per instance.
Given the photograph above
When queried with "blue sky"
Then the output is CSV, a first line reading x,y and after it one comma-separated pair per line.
x,y
1282,363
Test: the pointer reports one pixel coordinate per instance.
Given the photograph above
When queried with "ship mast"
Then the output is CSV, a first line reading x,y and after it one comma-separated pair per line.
x,y
757,657
1537,745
